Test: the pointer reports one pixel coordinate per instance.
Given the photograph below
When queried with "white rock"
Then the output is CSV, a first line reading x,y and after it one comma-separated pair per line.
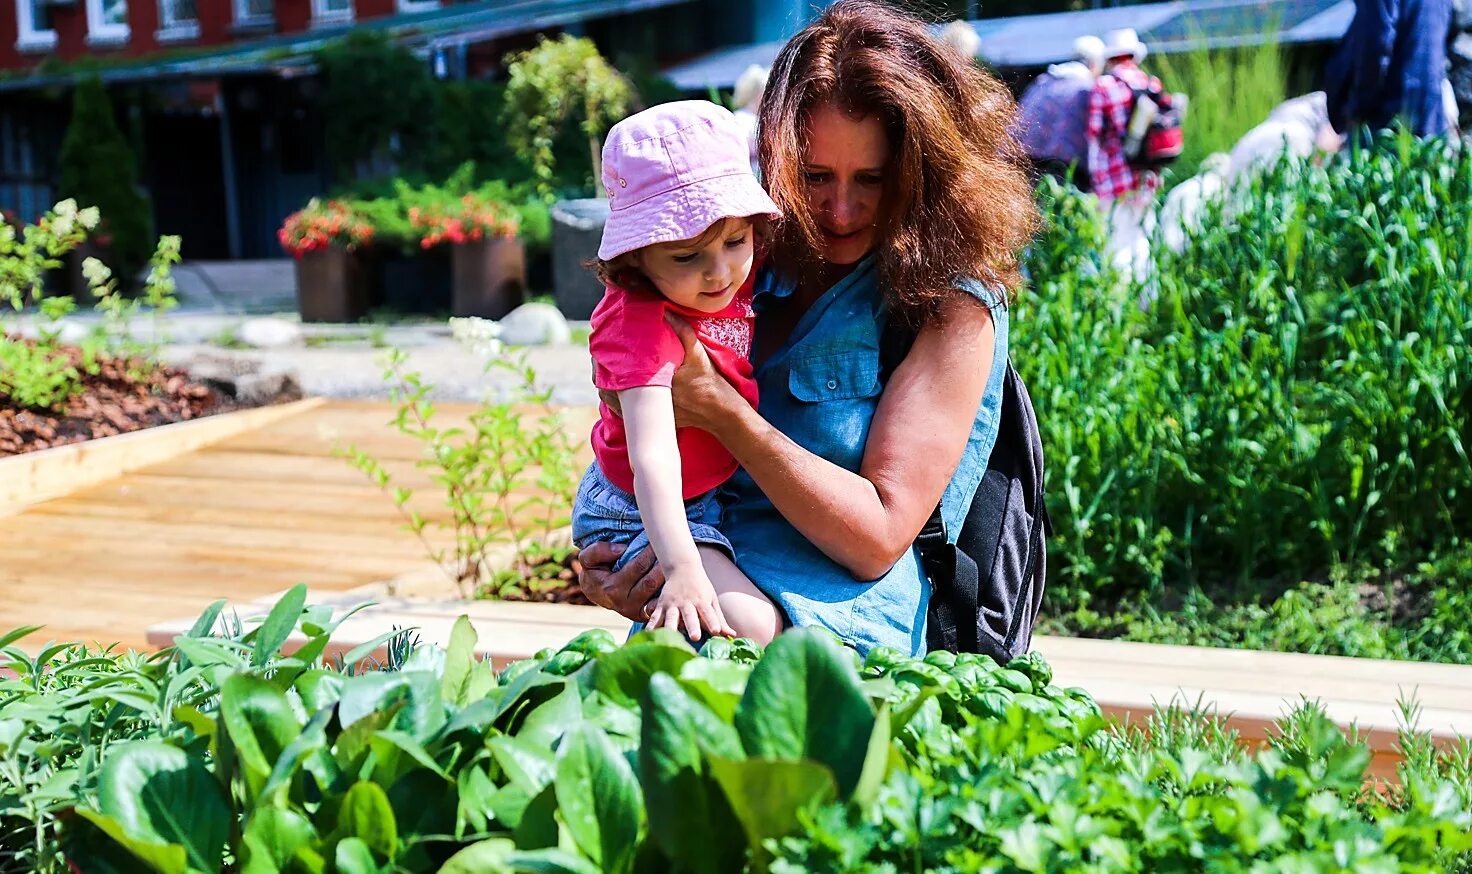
x,y
74,332
270,333
535,324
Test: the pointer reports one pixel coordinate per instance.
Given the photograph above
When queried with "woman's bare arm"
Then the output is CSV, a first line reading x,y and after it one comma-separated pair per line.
x,y
863,521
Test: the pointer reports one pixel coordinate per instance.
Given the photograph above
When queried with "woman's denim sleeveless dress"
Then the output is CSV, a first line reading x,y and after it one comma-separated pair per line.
x,y
821,389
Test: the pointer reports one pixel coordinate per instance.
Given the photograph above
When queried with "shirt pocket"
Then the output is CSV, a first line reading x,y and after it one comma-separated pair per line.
x,y
834,377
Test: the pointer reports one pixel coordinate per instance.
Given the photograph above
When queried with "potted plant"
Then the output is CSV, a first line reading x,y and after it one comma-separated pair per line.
x,y
549,88
323,237
487,258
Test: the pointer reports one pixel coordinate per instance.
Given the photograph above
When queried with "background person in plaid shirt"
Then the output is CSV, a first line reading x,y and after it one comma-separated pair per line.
x,y
1124,192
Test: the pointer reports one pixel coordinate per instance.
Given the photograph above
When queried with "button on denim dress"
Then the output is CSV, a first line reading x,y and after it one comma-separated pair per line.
x,y
821,389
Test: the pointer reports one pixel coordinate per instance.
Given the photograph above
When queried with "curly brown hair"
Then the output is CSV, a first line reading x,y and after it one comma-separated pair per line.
x,y
957,200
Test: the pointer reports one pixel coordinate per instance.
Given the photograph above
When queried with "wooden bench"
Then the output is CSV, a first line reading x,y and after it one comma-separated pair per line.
x,y
1251,689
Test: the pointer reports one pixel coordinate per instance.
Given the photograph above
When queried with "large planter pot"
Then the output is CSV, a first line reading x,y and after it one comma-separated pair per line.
x,y
488,277
329,287
577,228
417,283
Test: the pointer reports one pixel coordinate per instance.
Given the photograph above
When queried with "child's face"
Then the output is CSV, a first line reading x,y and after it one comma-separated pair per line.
x,y
706,272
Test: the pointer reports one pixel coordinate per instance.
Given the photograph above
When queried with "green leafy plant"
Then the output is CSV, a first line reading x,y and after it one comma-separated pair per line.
x,y
42,372
550,87
1295,400
223,753
97,167
508,476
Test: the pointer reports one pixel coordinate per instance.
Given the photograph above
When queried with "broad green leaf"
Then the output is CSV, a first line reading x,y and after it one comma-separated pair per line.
x,y
367,694
260,723
163,858
407,745
354,857
804,701
319,689
459,662
526,765
366,814
624,673
689,817
766,794
718,684
484,857
298,754
273,836
598,799
538,828
550,720
278,625
876,761
551,861
158,794
473,801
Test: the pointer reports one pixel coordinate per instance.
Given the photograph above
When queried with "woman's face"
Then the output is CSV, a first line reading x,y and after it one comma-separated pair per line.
x,y
844,171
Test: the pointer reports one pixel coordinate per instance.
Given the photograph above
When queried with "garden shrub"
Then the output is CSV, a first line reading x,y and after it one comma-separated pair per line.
x,y
221,753
561,85
1295,400
378,102
97,168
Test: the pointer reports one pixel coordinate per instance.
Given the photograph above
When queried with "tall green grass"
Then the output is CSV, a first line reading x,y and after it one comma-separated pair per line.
x,y
1230,92
1298,399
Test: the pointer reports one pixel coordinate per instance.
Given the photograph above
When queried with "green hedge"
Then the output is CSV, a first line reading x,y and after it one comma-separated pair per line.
x,y
1296,400
222,754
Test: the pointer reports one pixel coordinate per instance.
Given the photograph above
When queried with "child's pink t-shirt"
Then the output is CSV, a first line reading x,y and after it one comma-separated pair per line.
x,y
633,346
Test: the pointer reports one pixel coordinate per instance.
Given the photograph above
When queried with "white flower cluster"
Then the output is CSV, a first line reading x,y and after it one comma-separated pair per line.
x,y
481,336
67,216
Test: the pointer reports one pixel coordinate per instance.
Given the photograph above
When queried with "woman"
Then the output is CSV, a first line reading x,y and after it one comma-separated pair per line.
x,y
905,201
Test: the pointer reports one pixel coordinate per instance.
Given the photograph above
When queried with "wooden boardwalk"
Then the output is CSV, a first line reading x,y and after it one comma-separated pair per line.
x,y
133,559
242,518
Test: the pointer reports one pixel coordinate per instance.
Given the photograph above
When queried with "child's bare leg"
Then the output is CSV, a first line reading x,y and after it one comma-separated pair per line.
x,y
746,609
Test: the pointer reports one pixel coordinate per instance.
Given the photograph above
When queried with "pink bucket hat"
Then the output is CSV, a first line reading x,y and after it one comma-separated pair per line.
x,y
674,170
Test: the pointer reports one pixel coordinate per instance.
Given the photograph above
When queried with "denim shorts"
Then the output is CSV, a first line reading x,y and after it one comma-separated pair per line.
x,y
604,512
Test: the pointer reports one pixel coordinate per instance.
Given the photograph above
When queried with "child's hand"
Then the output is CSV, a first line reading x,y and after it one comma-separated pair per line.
x,y
688,600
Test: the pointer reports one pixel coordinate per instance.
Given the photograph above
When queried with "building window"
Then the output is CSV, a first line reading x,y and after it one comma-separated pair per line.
x,y
177,19
332,11
418,5
34,31
255,12
107,22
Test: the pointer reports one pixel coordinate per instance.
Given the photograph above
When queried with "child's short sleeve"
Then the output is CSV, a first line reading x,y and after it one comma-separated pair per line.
x,y
631,343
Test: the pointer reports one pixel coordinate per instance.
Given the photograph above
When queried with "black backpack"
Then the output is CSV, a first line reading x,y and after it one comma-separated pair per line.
x,y
987,587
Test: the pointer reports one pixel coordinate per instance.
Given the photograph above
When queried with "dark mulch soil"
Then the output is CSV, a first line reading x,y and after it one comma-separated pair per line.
x,y
110,403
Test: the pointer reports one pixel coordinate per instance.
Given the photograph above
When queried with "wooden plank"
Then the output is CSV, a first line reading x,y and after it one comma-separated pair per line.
x,y
1151,656
259,555
387,544
33,477
243,518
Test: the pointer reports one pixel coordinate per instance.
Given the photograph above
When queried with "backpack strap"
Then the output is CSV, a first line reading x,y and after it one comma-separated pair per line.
x,y
955,580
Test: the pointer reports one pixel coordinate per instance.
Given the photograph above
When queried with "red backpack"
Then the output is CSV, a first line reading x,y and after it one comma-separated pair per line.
x,y
1156,133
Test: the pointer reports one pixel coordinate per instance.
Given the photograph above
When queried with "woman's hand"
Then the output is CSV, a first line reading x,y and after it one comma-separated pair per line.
x,y
627,591
703,398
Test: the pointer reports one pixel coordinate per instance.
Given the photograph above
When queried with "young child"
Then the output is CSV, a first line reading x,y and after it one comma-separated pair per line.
x,y
686,221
